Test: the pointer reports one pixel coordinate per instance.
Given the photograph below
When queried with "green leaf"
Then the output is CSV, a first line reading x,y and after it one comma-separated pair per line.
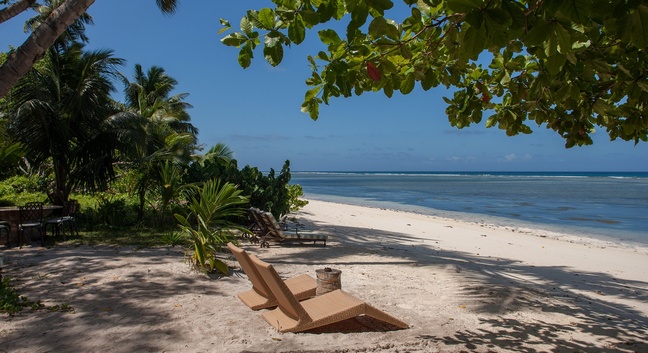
x,y
473,43
407,85
225,23
311,18
267,18
359,15
462,6
273,54
555,63
380,27
491,121
563,38
246,26
381,5
329,37
297,30
497,18
311,107
312,93
234,39
638,27
430,80
220,266
538,34
577,10
389,88
245,56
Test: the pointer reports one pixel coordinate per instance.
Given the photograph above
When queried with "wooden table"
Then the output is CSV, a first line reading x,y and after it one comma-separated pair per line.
x,y
12,214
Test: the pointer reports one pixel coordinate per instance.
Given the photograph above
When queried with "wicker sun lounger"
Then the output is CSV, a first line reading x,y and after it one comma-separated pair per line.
x,y
294,316
260,296
274,232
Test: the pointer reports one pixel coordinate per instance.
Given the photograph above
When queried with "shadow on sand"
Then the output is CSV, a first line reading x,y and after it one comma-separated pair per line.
x,y
492,289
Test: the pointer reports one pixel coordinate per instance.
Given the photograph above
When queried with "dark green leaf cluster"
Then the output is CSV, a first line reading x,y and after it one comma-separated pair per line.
x,y
568,65
267,192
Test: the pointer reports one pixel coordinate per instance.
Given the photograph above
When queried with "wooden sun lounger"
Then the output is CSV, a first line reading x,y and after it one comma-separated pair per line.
x,y
294,316
276,233
260,296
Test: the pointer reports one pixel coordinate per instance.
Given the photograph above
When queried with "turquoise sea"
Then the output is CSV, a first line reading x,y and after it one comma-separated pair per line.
x,y
609,206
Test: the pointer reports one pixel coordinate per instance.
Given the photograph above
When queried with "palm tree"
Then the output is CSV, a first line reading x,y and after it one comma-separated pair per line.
x,y
73,33
63,112
149,95
171,136
218,162
43,36
14,9
209,223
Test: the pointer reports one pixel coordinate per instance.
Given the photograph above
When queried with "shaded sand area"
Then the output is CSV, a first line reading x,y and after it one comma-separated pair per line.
x,y
463,287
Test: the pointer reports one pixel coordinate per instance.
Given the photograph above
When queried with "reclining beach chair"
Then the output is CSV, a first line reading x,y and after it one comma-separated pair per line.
x,y
275,232
257,227
294,316
260,296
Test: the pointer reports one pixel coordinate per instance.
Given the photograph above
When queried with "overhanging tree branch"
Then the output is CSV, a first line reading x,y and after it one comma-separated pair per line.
x,y
23,58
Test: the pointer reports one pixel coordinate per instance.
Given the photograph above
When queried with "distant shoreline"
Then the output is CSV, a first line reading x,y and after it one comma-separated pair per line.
x,y
609,206
541,230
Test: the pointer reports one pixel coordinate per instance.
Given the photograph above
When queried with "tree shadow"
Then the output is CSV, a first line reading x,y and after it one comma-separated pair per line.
x,y
599,305
83,303
592,307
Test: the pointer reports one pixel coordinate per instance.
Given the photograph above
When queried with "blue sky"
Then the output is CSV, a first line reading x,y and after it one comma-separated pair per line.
x,y
256,111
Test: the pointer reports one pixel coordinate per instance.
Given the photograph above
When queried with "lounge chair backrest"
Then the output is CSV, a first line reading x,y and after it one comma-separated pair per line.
x,y
288,304
256,216
272,225
258,284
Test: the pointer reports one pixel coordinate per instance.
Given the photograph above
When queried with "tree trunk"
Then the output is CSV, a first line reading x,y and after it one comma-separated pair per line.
x,y
142,203
61,187
10,12
22,60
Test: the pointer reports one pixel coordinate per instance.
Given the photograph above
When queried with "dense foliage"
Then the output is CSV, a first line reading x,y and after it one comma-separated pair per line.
x,y
269,192
567,65
62,114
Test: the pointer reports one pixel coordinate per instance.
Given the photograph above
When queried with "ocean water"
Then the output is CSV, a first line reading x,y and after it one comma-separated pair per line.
x,y
608,206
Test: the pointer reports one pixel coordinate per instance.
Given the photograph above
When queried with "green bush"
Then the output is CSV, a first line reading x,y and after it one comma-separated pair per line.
x,y
19,189
109,211
269,192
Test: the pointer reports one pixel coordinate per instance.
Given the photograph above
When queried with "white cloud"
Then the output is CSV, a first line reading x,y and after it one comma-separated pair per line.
x,y
514,157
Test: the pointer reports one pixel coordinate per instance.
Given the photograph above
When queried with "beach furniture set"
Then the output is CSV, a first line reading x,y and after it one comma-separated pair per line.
x,y
18,222
296,306
267,229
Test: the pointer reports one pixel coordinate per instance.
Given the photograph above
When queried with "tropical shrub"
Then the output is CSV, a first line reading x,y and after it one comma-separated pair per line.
x,y
111,210
17,190
295,191
209,224
268,192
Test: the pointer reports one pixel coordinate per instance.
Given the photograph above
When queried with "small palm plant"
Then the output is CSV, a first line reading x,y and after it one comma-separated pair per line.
x,y
208,223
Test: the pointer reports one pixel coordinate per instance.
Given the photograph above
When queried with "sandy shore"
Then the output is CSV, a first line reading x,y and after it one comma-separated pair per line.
x,y
463,287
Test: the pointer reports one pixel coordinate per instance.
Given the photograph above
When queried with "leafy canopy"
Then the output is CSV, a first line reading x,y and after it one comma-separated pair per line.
x,y
568,65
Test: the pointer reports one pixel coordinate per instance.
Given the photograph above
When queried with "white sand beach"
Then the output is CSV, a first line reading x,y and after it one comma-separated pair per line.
x,y
462,287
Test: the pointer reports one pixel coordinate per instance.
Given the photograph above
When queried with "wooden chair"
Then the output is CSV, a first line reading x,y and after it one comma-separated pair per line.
x,y
260,296
332,307
31,217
